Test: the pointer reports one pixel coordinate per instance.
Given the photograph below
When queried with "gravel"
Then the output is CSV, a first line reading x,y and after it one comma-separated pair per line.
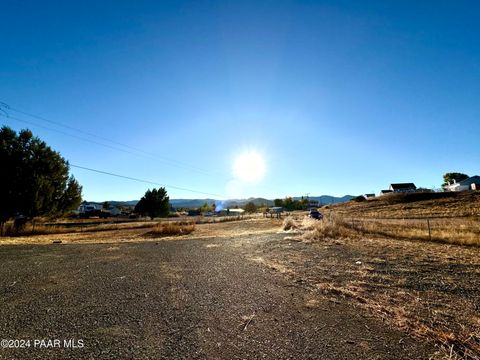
x,y
195,299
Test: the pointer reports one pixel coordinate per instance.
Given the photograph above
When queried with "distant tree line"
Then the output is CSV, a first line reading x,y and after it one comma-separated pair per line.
x,y
291,204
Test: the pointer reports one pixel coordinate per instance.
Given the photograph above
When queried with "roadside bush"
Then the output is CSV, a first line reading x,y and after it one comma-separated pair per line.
x,y
360,198
312,230
289,224
327,229
172,228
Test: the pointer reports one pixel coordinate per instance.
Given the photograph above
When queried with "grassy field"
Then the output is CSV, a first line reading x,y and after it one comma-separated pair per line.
x,y
66,226
430,288
445,217
414,205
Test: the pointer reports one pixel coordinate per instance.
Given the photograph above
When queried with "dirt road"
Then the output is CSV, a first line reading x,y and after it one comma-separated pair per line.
x,y
205,299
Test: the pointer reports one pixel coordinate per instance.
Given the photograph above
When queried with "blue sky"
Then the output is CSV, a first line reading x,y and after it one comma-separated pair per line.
x,y
338,97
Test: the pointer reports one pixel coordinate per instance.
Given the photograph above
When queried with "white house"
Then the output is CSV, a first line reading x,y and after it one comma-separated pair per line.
x,y
467,184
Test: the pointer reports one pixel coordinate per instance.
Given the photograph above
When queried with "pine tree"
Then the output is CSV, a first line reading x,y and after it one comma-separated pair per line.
x,y
35,179
155,203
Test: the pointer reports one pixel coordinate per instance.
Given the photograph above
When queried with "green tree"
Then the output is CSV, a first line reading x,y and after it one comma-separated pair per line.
x,y
35,179
288,203
278,202
206,207
155,203
303,203
250,207
106,205
450,177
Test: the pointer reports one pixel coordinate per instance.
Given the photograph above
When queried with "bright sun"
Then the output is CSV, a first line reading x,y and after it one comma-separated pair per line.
x,y
249,167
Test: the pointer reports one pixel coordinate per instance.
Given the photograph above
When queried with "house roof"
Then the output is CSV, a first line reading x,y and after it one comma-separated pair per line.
x,y
403,186
470,180
385,191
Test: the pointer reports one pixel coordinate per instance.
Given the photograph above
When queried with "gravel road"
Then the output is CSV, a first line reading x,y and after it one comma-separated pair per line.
x,y
195,299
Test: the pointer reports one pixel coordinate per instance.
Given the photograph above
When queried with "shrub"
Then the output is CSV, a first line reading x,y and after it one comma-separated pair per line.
x,y
360,198
172,228
328,229
289,224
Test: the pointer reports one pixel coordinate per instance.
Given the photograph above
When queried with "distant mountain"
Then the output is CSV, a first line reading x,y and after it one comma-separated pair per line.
x,y
196,203
242,202
190,203
327,199
124,203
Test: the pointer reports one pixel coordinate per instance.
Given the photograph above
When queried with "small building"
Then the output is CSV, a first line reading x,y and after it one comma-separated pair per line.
x,y
312,204
385,192
368,196
467,184
273,211
403,187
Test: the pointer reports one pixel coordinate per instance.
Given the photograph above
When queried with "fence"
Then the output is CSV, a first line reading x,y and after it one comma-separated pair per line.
x,y
451,230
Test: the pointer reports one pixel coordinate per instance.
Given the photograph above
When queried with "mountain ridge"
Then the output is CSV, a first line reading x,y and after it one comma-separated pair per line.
x,y
195,203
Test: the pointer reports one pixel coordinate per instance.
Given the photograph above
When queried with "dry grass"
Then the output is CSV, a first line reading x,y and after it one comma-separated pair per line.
x,y
289,224
312,230
171,229
414,205
130,232
41,229
460,231
66,226
428,288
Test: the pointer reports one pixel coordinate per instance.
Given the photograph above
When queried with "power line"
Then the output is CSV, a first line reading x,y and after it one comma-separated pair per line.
x,y
112,174
68,134
5,108
146,181
141,153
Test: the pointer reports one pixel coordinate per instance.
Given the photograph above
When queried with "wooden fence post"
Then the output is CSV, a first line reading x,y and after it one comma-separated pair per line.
x,y
429,230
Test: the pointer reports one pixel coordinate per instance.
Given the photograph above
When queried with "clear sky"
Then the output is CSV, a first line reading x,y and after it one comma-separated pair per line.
x,y
336,97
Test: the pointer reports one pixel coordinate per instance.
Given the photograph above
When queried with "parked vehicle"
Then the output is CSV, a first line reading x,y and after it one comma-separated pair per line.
x,y
88,211
315,214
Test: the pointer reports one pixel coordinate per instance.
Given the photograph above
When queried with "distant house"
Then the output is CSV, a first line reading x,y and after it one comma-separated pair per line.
x,y
384,192
273,211
114,211
368,196
403,187
467,184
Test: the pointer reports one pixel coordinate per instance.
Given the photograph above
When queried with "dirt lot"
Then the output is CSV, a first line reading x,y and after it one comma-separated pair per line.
x,y
237,290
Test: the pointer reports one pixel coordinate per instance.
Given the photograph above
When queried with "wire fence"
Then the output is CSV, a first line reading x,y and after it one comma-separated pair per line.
x,y
461,230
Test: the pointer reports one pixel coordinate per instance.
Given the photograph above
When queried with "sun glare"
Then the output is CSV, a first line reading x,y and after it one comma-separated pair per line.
x,y
249,167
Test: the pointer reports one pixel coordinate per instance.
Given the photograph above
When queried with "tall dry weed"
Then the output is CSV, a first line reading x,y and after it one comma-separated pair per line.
x,y
172,228
332,228
289,223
